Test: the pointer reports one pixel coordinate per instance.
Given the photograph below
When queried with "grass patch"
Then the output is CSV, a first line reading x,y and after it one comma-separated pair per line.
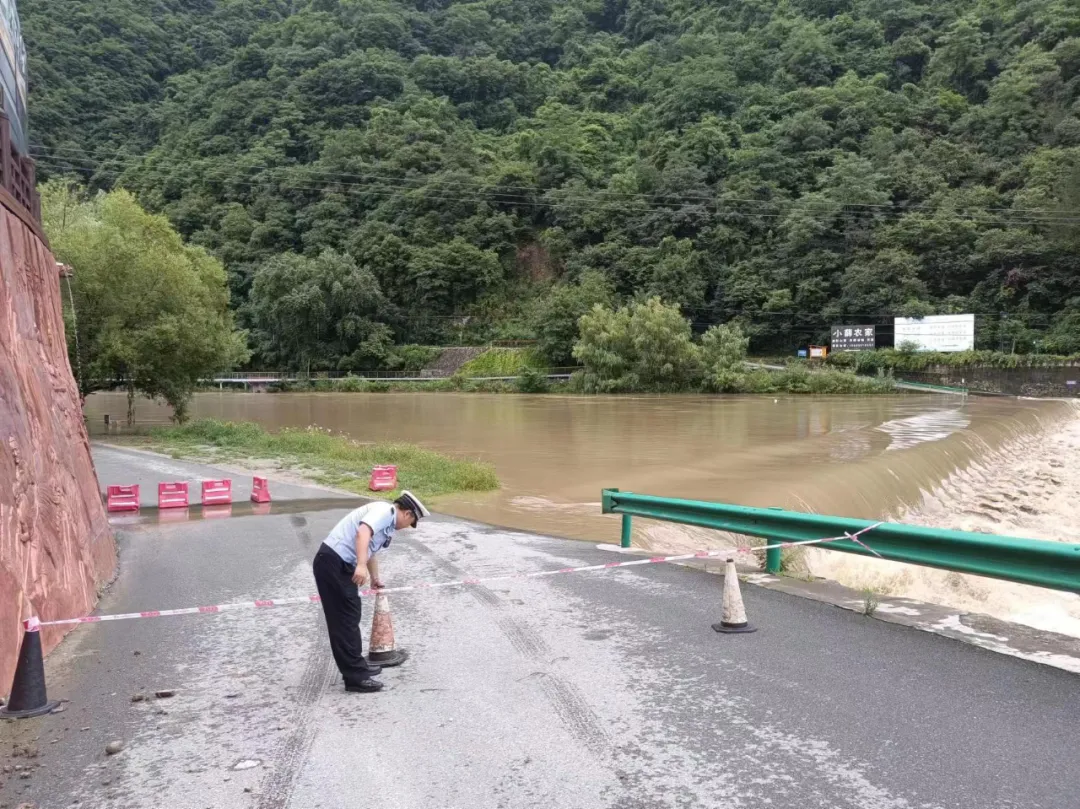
x,y
870,603
503,362
800,379
334,460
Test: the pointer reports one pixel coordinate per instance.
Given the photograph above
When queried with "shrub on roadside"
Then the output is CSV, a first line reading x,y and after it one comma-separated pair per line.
x,y
532,380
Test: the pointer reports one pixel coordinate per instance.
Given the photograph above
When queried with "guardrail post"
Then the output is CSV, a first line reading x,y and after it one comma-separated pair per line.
x,y
627,530
772,555
772,558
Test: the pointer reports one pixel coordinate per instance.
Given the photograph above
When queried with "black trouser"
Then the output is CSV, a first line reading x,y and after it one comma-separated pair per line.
x,y
341,606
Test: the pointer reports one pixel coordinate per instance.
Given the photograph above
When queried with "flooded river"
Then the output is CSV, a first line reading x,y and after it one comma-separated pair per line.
x,y
978,464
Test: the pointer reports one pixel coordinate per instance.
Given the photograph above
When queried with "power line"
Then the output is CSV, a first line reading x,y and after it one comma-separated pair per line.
x,y
435,195
433,190
900,208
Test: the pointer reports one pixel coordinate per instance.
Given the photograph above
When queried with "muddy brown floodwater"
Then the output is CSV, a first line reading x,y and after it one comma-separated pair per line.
x,y
1004,465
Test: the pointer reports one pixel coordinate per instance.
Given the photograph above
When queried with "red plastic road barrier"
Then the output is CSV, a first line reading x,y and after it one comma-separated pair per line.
x,y
383,478
216,492
260,491
123,498
172,495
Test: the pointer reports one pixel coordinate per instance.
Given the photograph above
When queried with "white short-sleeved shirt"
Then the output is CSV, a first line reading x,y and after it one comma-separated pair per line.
x,y
380,517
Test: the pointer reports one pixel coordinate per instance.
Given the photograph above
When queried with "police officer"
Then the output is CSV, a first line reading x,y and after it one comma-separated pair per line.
x,y
345,562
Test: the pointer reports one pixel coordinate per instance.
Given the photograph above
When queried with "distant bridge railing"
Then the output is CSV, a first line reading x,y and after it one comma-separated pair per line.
x,y
1029,561
266,377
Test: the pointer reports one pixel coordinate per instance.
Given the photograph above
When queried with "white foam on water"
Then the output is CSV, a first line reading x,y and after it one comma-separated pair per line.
x,y
934,426
1027,488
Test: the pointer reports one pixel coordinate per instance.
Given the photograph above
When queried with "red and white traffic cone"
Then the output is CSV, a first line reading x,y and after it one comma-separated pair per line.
x,y
381,651
28,697
733,619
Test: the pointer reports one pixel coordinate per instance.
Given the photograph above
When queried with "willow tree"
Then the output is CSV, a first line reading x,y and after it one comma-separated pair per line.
x,y
147,312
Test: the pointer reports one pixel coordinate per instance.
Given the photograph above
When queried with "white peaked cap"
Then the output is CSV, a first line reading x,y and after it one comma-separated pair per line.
x,y
421,509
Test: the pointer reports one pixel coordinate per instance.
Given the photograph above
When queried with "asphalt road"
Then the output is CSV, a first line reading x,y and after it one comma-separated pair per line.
x,y
577,691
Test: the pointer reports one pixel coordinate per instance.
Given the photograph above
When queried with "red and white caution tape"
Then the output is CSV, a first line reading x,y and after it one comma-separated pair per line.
x,y
314,599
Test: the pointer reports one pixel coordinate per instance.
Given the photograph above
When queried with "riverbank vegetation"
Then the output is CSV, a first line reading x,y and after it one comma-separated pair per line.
x,y
893,361
321,456
381,173
649,346
646,347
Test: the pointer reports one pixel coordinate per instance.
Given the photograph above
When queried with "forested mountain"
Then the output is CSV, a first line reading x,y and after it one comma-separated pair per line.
x,y
790,164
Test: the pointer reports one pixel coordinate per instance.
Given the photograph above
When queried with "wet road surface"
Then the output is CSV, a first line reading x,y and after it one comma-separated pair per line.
x,y
576,691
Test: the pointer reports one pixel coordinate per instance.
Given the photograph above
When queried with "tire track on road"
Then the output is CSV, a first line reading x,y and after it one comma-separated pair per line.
x,y
275,790
570,705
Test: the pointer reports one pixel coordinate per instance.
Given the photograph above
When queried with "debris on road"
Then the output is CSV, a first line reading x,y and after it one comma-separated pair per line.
x,y
112,748
138,697
165,693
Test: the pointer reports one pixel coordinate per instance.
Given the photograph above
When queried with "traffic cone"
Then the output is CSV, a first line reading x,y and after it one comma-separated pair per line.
x,y
28,697
734,615
381,651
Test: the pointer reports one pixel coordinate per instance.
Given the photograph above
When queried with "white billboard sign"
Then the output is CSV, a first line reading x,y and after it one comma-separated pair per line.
x,y
936,332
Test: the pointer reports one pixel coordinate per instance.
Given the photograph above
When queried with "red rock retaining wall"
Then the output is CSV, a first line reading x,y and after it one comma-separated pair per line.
x,y
56,548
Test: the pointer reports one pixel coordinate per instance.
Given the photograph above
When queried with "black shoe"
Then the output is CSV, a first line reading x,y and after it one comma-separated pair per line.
x,y
371,671
364,686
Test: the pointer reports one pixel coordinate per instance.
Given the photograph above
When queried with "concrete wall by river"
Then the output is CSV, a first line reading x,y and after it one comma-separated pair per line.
x,y
55,543
1060,380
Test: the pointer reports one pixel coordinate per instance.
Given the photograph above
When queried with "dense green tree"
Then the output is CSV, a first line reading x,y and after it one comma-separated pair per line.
x,y
645,346
556,316
319,313
723,353
148,312
783,164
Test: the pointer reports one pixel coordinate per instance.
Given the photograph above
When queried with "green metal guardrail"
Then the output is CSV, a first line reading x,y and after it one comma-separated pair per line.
x,y
1030,561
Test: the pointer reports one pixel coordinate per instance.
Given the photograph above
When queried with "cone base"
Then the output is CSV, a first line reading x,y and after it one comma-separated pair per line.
x,y
395,657
41,710
734,630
